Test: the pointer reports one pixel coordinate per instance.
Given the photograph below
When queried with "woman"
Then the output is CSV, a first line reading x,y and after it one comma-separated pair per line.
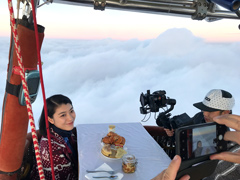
x,y
61,117
198,150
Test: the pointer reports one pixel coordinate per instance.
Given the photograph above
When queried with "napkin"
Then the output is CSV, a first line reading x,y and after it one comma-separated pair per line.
x,y
104,167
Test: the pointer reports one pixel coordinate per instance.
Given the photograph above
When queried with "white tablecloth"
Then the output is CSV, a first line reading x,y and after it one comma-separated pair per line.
x,y
151,157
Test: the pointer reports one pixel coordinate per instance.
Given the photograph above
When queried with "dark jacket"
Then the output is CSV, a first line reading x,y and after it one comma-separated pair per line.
x,y
198,118
65,163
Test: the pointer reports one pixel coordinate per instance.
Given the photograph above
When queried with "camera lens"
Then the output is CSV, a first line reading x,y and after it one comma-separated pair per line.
x,y
220,137
143,100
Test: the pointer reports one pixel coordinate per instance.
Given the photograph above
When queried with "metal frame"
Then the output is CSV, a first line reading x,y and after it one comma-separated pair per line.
x,y
197,10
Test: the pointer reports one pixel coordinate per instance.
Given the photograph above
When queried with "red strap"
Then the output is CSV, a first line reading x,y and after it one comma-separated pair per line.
x,y
42,86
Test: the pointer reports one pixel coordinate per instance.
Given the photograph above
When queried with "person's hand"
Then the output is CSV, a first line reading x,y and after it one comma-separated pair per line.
x,y
171,172
169,132
232,121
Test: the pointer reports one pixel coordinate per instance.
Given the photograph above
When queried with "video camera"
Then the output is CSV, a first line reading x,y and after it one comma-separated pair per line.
x,y
153,102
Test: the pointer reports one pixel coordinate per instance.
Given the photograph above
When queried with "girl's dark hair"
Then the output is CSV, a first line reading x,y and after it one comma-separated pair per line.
x,y
53,103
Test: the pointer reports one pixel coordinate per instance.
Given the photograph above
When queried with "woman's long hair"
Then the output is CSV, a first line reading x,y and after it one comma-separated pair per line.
x,y
53,103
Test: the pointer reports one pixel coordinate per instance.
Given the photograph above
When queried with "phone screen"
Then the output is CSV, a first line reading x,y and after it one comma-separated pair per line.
x,y
197,141
204,141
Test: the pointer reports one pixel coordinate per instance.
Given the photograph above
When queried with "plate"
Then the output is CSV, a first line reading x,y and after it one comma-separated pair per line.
x,y
110,157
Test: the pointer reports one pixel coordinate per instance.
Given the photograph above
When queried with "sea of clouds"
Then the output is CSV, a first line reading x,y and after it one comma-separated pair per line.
x,y
104,78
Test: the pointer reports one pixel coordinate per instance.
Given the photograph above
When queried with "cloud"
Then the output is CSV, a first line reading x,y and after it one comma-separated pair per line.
x,y
181,42
104,78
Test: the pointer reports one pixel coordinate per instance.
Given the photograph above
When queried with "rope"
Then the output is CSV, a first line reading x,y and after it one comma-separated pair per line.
x,y
43,89
25,89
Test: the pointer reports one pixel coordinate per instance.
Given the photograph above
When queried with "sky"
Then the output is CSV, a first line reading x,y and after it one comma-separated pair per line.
x,y
104,78
76,22
106,67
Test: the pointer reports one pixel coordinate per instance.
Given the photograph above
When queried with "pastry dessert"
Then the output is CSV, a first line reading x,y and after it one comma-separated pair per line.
x,y
114,138
106,150
120,153
113,145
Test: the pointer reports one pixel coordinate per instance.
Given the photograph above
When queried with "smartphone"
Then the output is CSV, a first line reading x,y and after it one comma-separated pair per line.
x,y
198,142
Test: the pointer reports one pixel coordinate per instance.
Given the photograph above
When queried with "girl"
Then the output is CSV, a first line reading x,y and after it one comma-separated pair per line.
x,y
61,117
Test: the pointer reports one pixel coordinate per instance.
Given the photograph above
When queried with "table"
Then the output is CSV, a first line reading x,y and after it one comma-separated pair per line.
x,y
151,157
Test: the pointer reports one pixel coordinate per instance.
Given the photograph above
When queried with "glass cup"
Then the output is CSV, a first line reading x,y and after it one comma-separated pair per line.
x,y
129,163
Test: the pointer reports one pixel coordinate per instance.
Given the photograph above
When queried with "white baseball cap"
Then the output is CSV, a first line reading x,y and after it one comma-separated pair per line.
x,y
216,100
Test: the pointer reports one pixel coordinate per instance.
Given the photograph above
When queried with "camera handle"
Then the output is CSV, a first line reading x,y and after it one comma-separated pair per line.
x,y
163,120
198,172
170,147
163,117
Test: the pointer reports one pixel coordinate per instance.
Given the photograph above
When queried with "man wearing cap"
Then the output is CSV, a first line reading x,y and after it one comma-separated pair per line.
x,y
217,102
